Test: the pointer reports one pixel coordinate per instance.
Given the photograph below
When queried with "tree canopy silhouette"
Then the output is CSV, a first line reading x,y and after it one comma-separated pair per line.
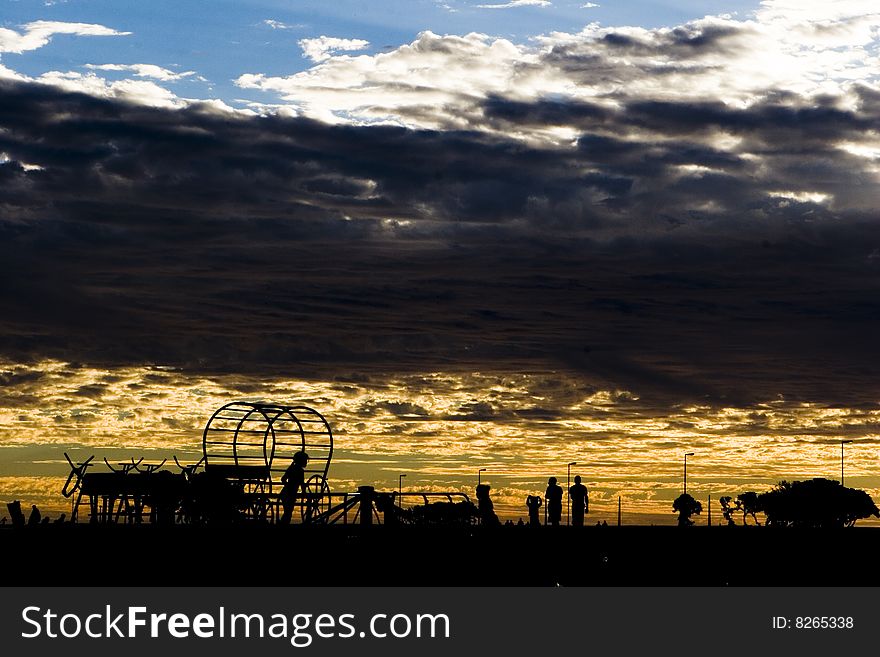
x,y
686,506
817,502
749,505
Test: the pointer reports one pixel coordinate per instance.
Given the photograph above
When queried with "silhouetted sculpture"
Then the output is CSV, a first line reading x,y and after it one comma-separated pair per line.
x,y
534,502
210,498
391,513
444,514
817,502
749,505
485,507
293,479
554,502
580,503
35,516
686,506
15,513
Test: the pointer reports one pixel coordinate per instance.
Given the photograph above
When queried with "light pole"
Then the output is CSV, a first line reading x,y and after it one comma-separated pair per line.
x,y
479,475
568,499
686,471
842,443
400,490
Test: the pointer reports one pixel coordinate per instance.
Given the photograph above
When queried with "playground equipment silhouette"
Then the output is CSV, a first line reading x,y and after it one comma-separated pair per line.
x,y
246,449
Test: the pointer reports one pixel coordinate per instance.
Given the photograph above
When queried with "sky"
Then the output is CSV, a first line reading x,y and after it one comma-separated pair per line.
x,y
472,234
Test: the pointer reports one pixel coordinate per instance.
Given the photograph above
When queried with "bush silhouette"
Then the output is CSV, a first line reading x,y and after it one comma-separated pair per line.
x,y
815,503
686,506
749,505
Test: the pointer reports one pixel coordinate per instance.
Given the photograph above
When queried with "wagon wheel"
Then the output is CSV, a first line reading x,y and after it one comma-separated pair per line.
x,y
316,498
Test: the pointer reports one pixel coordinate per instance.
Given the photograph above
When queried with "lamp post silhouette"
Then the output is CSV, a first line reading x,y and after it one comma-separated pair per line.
x,y
686,471
400,490
479,475
568,499
842,443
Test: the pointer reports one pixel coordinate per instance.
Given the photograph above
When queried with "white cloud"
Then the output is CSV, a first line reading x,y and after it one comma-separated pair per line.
x,y
143,71
590,5
278,25
518,3
429,75
38,33
322,48
442,82
141,92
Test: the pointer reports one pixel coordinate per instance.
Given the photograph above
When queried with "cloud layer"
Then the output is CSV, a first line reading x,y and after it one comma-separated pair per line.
x,y
656,211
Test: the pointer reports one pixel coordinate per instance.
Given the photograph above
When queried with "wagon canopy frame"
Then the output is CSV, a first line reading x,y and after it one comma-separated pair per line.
x,y
262,437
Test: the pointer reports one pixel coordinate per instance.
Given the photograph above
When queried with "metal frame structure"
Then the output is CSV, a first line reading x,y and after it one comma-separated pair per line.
x,y
253,443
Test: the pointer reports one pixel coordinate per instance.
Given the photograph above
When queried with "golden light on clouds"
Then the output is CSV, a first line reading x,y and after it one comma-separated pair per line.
x,y
439,429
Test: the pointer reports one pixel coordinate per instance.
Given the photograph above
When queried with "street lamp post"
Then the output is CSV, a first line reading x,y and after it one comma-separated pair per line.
x,y
400,490
842,443
568,499
686,471
479,475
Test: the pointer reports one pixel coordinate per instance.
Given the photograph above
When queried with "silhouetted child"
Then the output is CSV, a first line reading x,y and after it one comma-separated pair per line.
x,y
534,503
554,502
35,515
486,508
293,479
580,503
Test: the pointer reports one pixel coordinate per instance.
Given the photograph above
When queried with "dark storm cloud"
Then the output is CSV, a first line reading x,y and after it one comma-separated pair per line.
x,y
644,257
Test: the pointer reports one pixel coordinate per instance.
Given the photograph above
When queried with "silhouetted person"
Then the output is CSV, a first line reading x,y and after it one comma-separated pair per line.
x,y
554,502
604,523
580,502
533,502
485,507
293,479
35,515
519,523
60,519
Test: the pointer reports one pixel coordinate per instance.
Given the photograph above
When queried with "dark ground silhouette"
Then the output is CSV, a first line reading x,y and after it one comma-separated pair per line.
x,y
448,556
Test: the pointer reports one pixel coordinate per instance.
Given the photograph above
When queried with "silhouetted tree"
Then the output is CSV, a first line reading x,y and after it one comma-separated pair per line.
x,y
686,506
749,504
815,503
727,510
